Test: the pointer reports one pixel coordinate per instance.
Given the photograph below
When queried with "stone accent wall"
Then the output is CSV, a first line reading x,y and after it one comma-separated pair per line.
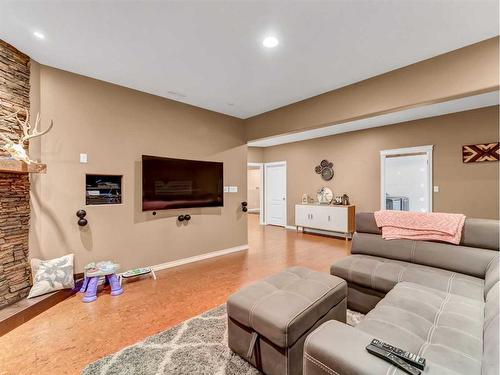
x,y
15,273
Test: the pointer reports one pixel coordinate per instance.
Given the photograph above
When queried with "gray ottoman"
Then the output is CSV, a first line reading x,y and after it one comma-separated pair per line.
x,y
268,321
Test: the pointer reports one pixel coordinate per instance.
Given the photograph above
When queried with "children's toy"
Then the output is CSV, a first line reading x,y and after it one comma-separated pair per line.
x,y
92,273
137,272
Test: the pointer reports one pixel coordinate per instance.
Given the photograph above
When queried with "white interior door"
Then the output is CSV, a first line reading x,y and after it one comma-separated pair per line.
x,y
406,176
275,193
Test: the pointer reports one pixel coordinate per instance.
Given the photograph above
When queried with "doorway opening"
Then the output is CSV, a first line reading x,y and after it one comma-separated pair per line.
x,y
255,190
406,179
266,192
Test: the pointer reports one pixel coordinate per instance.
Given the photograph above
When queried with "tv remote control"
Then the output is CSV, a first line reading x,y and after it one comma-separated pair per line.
x,y
412,358
393,359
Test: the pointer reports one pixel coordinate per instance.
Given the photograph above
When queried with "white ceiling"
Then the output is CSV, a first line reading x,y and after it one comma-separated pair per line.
x,y
210,51
438,109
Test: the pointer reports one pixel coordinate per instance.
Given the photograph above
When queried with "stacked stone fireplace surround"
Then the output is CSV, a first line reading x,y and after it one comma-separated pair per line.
x,y
15,273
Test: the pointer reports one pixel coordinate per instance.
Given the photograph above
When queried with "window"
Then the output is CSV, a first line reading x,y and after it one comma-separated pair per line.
x,y
406,179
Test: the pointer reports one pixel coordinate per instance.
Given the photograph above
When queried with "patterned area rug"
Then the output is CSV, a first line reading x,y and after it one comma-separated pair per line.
x,y
196,346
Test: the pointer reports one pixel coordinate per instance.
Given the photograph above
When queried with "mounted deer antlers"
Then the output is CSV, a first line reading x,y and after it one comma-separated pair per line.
x,y
17,150
26,127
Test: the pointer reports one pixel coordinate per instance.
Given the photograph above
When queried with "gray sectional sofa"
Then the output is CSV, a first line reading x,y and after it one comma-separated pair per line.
x,y
435,299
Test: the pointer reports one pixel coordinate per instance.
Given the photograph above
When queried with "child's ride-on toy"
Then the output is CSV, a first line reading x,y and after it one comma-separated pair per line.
x,y
92,273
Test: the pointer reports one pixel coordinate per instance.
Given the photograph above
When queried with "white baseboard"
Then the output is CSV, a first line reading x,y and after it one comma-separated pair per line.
x,y
291,227
197,258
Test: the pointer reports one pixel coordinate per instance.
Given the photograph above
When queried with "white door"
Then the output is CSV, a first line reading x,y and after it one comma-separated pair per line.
x,y
407,179
275,192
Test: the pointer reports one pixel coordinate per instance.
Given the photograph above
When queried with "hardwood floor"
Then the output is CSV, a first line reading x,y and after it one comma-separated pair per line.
x,y
67,337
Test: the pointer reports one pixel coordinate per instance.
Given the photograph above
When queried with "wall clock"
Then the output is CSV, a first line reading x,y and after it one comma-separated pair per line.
x,y
325,169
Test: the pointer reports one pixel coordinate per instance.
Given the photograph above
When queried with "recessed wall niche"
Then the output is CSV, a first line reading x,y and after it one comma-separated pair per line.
x,y
103,189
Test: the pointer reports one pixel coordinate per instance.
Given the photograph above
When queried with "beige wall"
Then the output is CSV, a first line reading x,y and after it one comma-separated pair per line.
x,y
255,154
35,154
115,126
466,71
468,188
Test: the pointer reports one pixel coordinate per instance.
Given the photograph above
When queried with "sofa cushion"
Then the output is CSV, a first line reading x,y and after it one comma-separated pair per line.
x,y
492,275
492,303
479,233
383,274
464,259
338,349
284,306
482,233
444,328
491,331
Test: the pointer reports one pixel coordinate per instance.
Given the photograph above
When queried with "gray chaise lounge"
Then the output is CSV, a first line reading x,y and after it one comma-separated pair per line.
x,y
268,321
436,299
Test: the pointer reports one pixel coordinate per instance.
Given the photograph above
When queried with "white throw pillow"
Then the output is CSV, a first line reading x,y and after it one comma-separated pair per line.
x,y
51,275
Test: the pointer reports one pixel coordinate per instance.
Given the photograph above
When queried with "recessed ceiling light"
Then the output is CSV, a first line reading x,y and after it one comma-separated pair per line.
x,y
39,35
270,42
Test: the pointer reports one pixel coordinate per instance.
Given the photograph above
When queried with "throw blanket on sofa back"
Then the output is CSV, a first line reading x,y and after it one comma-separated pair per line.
x,y
434,226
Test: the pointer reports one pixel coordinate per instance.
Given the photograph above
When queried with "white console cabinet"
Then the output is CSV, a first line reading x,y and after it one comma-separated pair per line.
x,y
329,218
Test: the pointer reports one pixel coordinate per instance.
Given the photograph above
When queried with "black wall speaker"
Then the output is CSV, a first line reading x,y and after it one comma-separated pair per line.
x,y
184,217
81,218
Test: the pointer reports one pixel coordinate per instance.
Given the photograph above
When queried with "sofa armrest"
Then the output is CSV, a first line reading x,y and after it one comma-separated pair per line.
x,y
338,349
492,275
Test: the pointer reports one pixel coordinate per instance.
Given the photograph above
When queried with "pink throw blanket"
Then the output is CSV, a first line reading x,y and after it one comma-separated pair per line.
x,y
435,226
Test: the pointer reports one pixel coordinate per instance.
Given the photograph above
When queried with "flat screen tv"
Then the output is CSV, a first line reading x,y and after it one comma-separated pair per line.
x,y
178,183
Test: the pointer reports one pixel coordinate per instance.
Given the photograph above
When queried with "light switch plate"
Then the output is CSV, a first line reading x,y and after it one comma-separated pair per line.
x,y
233,189
436,189
226,189
83,158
